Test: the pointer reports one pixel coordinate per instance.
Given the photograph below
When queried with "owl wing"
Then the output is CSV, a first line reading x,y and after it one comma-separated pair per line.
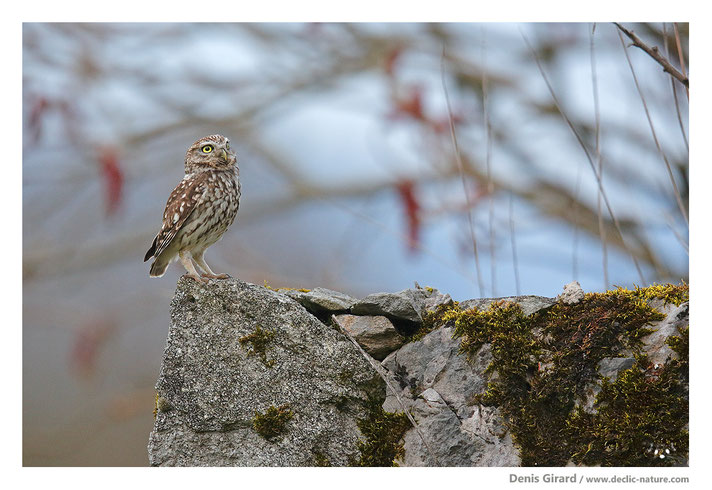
x,y
179,207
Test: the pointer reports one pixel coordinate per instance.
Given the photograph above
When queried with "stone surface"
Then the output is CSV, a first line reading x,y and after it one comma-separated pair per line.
x,y
611,366
529,304
438,384
376,334
435,299
573,293
321,300
211,384
655,345
408,305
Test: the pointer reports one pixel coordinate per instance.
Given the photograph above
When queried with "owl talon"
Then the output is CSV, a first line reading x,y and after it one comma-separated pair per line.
x,y
197,278
215,276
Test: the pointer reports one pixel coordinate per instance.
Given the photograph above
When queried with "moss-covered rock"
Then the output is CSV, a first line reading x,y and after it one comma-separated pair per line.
x,y
543,364
250,377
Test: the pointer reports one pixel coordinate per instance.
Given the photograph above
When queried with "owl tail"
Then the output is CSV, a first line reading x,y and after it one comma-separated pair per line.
x,y
159,266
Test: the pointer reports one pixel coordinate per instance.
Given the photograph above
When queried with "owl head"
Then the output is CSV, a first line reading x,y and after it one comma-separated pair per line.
x,y
210,153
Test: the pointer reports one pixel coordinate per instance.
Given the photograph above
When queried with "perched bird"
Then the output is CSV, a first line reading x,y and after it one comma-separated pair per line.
x,y
199,210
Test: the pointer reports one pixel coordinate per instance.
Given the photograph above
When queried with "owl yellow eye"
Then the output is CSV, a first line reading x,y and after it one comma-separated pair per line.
x,y
207,148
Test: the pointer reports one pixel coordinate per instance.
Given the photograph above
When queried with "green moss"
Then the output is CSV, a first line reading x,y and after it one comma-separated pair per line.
x,y
160,405
259,339
681,344
641,420
670,293
155,406
346,376
273,422
320,459
383,432
601,325
285,289
545,362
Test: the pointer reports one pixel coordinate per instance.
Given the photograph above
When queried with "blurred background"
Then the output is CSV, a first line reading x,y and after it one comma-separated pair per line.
x,y
480,159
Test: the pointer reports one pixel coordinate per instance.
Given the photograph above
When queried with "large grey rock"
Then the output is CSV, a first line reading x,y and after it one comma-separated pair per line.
x,y
438,384
321,300
211,384
376,334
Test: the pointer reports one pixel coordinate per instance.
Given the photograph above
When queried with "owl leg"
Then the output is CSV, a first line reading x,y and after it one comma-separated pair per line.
x,y
188,264
198,257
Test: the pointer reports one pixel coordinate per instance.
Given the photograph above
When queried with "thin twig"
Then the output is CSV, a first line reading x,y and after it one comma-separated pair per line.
x,y
515,262
574,245
588,156
671,224
381,372
488,162
654,53
674,93
681,57
599,160
461,168
676,191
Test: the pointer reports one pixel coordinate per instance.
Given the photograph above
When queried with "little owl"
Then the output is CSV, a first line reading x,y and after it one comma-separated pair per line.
x,y
199,210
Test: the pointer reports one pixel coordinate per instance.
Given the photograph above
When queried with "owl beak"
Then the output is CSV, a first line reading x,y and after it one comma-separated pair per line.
x,y
223,155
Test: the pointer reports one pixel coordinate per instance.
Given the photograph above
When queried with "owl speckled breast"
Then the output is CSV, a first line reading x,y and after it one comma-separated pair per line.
x,y
215,213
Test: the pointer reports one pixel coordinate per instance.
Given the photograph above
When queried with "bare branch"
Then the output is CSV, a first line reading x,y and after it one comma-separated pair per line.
x,y
674,93
599,160
680,55
488,164
675,189
654,53
513,241
458,158
588,155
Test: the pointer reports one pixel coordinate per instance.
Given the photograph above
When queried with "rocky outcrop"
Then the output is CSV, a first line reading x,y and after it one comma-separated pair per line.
x,y
237,353
257,377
